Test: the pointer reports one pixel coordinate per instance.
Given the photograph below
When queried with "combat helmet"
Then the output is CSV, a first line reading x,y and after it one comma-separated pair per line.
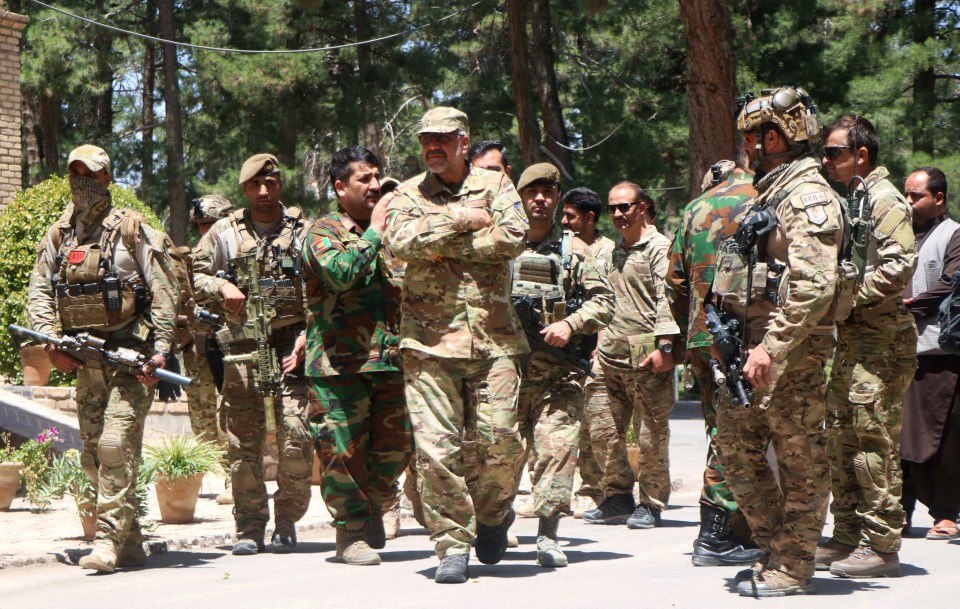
x,y
789,108
210,208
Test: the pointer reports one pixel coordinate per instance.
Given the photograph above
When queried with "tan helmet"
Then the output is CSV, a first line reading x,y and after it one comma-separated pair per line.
x,y
210,208
790,109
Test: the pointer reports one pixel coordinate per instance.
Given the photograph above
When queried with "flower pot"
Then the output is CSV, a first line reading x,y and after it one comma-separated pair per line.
x,y
633,456
89,524
36,366
9,481
178,498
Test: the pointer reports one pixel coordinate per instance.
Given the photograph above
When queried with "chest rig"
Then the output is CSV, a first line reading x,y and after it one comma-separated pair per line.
x,y
88,290
544,276
745,272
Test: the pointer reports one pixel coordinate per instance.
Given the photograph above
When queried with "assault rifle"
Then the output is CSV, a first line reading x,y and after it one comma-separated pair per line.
x,y
726,335
93,352
528,309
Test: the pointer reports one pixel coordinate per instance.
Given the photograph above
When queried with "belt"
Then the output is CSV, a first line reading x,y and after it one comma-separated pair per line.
x,y
859,314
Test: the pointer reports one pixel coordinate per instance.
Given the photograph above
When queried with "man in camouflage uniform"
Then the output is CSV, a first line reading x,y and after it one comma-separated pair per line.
x,y
874,363
636,355
353,358
704,224
458,227
111,405
788,243
581,210
273,236
571,299
203,398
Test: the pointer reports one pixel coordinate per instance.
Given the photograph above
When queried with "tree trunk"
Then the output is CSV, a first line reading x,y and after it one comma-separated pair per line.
x,y
550,109
147,101
31,137
103,102
371,133
520,74
711,85
924,83
174,127
50,131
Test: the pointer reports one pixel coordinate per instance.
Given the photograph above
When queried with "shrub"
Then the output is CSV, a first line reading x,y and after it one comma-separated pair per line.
x,y
183,457
67,477
22,226
36,456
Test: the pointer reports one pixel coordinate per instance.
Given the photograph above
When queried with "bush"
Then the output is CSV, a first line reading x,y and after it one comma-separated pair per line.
x,y
22,225
183,457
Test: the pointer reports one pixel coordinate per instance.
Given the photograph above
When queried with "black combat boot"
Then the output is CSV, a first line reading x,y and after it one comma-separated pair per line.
x,y
492,540
453,569
716,546
615,509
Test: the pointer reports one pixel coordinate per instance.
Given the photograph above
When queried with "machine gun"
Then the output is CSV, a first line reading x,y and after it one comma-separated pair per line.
x,y
725,334
93,352
530,309
256,327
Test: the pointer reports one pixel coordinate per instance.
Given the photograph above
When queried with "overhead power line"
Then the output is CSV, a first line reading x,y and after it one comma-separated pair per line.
x,y
201,47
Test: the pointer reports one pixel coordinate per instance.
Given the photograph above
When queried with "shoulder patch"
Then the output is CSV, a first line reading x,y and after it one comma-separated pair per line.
x,y
814,198
816,214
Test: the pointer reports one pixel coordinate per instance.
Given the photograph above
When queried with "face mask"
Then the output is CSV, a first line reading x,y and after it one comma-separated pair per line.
x,y
90,198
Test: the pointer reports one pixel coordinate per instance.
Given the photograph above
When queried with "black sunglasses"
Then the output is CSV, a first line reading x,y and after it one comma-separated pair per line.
x,y
833,152
621,207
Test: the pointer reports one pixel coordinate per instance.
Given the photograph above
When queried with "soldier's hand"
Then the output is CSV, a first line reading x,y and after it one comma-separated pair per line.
x,y
290,362
63,362
479,218
233,298
557,334
378,217
658,361
146,373
757,368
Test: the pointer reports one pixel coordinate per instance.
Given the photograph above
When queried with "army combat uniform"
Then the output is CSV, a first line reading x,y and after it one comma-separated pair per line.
x,y
353,363
875,361
460,338
277,252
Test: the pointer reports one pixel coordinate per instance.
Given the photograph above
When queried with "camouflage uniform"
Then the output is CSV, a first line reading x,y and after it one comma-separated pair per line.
x,y
551,396
111,406
874,363
460,341
236,236
637,393
798,336
353,365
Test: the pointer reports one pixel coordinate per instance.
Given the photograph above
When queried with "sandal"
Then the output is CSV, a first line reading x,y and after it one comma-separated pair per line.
x,y
944,529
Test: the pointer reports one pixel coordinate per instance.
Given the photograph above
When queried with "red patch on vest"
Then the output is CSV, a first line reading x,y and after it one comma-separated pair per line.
x,y
76,256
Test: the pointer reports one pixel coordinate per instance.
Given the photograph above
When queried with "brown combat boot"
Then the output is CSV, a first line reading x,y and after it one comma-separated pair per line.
x,y
830,552
103,558
756,569
867,562
774,582
353,549
391,517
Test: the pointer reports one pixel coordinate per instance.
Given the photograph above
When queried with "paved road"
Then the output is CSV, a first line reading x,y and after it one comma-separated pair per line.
x,y
611,567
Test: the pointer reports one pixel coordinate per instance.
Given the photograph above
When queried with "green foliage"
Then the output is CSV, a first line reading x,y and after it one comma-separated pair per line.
x,y
36,456
8,452
182,456
66,477
24,223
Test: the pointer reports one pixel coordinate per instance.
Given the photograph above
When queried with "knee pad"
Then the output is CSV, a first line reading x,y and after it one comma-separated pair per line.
x,y
242,476
89,465
110,449
295,460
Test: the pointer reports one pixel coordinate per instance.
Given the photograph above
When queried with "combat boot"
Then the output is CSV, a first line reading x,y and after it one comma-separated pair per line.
x,y
644,517
352,548
549,553
492,540
774,582
754,571
615,509
284,538
376,534
453,569
583,505
391,518
831,552
103,558
131,552
715,546
249,544
867,562
226,497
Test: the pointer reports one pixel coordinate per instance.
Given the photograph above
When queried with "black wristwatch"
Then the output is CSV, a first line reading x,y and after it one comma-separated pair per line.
x,y
666,348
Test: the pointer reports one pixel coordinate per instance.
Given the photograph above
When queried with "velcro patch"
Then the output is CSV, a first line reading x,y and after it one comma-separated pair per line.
x,y
817,214
814,198
321,246
76,256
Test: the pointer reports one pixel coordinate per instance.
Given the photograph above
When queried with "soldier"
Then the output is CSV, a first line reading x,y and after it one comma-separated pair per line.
x,y
490,154
582,208
264,239
874,363
704,224
353,358
203,397
457,228
557,281
109,249
778,275
636,355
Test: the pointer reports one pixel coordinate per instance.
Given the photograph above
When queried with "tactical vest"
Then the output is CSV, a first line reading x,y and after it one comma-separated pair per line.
x,y
545,276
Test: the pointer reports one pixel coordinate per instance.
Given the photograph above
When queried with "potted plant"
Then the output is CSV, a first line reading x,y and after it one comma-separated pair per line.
x,y
33,459
10,466
67,477
177,467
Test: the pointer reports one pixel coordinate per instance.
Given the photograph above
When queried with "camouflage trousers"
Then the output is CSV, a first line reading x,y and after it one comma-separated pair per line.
x,y
111,408
247,426
786,523
874,364
369,444
595,394
548,415
715,491
442,394
203,400
646,399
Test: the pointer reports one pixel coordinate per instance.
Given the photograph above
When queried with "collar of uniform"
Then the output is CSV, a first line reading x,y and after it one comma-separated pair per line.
x,y
642,243
554,237
271,228
432,186
879,173
805,164
349,223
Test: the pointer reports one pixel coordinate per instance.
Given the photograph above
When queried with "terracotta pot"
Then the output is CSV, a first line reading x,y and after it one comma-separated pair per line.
x,y
633,455
178,498
9,481
36,366
89,524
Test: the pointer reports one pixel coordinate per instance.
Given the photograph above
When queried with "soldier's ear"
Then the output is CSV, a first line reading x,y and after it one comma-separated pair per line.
x,y
590,217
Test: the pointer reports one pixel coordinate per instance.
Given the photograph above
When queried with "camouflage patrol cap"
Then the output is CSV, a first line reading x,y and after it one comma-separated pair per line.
x,y
388,185
443,119
789,108
94,157
541,172
259,165
210,208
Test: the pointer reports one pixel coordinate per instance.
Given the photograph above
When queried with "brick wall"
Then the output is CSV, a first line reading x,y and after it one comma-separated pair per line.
x,y
11,29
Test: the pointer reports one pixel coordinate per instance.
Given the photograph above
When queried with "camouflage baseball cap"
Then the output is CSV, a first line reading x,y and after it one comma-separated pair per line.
x,y
443,119
259,165
388,185
94,157
541,172
210,208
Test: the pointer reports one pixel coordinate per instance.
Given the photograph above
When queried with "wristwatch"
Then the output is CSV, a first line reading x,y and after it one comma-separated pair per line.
x,y
666,348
